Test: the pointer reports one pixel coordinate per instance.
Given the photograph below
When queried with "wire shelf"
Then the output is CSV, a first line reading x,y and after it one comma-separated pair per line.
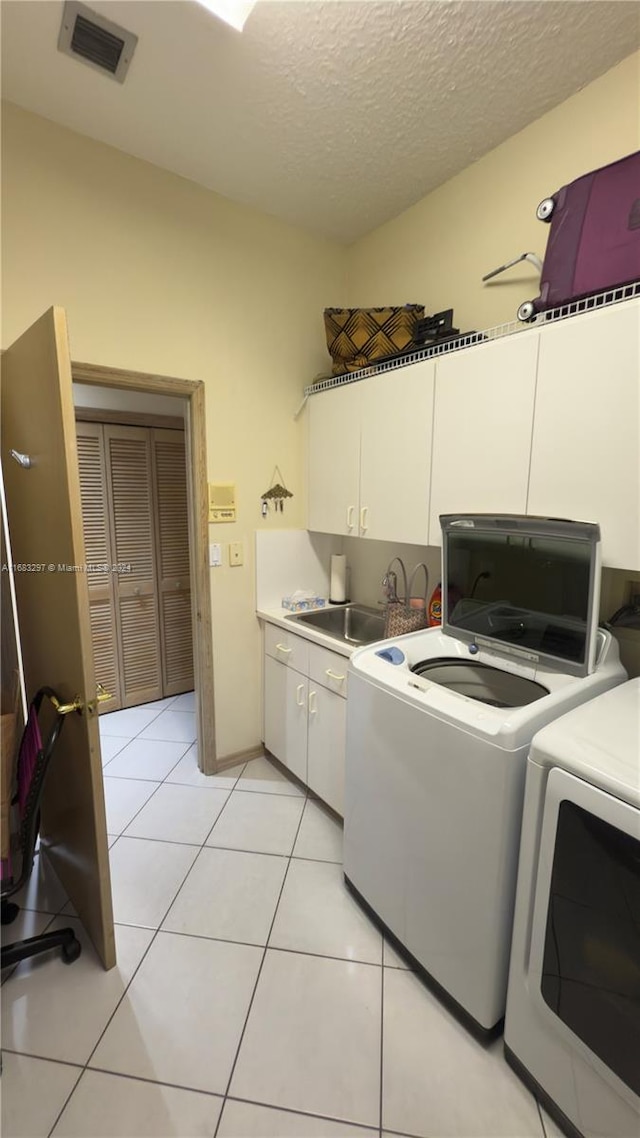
x,y
552,316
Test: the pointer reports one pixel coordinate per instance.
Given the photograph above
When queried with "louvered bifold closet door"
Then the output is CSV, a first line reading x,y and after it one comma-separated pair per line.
x,y
129,476
100,559
172,545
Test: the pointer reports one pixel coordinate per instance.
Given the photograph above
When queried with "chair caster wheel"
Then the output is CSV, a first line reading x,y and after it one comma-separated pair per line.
x,y
71,951
9,912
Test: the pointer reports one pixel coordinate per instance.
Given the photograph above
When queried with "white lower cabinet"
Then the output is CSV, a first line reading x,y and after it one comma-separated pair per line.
x,y
285,715
326,736
305,713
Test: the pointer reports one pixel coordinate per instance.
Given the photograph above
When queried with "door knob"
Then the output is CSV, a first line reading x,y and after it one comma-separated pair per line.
x,y
21,459
76,704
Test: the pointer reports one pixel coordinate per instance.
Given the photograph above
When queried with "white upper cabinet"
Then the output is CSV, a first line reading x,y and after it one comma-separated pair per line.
x,y
370,456
585,461
546,421
395,454
334,460
482,429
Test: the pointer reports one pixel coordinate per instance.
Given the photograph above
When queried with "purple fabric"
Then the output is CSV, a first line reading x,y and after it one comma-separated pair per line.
x,y
609,252
30,748
594,237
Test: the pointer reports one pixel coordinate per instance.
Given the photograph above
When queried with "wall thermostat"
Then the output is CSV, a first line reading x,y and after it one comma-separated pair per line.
x,y
222,502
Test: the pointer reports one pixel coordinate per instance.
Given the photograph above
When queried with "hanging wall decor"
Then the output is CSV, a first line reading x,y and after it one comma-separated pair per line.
x,y
276,494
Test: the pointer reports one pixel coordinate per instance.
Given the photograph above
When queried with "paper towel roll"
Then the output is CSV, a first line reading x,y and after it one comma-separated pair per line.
x,y
338,590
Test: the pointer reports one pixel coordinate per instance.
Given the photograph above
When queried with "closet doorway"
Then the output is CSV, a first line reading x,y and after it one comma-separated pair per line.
x,y
146,463
133,484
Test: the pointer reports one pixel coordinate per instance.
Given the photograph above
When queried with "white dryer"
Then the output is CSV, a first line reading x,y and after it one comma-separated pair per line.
x,y
572,1027
439,725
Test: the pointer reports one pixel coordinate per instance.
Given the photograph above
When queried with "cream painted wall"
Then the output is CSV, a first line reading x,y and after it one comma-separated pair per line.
x,y
159,275
437,252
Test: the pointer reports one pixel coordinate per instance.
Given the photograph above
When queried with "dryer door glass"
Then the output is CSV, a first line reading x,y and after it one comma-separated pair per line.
x,y
591,965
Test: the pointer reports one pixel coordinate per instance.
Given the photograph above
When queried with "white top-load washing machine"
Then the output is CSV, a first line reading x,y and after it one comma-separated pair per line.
x,y
572,1028
439,724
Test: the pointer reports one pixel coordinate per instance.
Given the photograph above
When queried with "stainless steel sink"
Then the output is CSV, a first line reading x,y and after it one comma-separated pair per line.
x,y
353,624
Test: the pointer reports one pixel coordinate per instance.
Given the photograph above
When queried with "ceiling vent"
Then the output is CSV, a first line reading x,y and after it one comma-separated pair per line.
x,y
95,40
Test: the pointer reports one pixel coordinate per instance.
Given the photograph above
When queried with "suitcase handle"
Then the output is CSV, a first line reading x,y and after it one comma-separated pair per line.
x,y
531,257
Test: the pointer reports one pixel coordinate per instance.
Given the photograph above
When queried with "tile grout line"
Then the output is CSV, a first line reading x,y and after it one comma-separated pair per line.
x,y
162,781
309,1114
136,778
189,1090
259,973
130,738
59,913
85,1066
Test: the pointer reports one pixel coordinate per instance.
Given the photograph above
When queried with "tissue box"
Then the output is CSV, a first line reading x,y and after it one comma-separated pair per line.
x,y
301,601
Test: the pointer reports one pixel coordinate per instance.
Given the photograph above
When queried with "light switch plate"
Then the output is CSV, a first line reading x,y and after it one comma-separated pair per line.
x,y
215,554
236,553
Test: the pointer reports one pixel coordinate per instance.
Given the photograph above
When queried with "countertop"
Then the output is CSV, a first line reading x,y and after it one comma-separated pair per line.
x,y
281,616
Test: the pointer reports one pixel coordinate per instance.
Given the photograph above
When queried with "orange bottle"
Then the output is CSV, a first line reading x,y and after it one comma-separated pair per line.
x,y
434,612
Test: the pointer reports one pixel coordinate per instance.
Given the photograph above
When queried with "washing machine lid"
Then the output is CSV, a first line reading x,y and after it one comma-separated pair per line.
x,y
523,586
598,742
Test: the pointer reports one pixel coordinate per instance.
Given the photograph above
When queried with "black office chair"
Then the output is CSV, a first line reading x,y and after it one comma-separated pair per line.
x,y
34,758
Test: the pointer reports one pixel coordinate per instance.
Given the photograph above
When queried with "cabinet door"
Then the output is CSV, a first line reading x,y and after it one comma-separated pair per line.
x,y
584,462
334,460
285,715
97,544
129,478
482,429
326,746
172,559
395,464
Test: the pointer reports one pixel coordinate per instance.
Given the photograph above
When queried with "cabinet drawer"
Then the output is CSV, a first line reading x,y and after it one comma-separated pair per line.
x,y
286,647
328,668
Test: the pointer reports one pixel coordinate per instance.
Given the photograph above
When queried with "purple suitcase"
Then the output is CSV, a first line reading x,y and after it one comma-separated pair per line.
x,y
594,241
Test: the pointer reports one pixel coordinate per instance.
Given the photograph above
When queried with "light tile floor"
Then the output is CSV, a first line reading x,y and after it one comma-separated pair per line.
x,y
252,997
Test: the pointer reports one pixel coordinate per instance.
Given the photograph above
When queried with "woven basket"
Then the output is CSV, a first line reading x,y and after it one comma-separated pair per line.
x,y
357,337
407,614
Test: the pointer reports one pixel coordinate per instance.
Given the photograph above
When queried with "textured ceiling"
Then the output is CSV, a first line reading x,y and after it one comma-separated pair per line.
x,y
335,115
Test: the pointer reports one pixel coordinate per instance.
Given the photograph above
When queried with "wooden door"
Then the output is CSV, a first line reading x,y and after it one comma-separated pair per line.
x,y
172,559
45,524
130,489
395,462
100,557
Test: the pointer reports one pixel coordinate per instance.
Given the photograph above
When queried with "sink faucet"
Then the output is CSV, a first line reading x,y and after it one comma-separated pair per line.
x,y
389,587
